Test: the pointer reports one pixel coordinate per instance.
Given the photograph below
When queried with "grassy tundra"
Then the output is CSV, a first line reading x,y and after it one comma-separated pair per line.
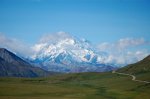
x,y
74,86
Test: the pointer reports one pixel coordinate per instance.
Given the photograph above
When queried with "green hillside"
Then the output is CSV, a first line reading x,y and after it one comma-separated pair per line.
x,y
140,69
74,86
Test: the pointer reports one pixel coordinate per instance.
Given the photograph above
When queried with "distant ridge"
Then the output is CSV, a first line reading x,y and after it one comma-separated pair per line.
x,y
13,66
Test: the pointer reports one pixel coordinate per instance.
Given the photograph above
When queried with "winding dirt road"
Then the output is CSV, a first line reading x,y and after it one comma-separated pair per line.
x,y
133,77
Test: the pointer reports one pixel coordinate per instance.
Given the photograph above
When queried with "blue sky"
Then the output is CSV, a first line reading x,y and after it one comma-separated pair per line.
x,y
95,20
120,28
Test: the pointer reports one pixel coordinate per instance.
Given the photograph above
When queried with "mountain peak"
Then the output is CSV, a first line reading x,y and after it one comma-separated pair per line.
x,y
3,49
67,53
77,50
9,56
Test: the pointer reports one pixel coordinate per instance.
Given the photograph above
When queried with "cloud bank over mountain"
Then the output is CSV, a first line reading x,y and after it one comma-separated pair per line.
x,y
121,52
15,45
126,50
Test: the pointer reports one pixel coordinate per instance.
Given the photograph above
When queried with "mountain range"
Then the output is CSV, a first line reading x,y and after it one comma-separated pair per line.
x,y
13,66
62,52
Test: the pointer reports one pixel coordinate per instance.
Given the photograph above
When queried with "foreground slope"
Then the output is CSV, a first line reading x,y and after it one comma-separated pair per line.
x,y
140,69
13,66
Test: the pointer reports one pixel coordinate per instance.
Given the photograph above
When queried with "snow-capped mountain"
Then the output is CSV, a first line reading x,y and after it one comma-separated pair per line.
x,y
66,53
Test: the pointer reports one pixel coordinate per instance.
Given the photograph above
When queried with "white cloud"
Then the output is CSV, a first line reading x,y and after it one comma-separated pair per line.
x,y
125,51
55,37
122,44
38,47
129,42
14,45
